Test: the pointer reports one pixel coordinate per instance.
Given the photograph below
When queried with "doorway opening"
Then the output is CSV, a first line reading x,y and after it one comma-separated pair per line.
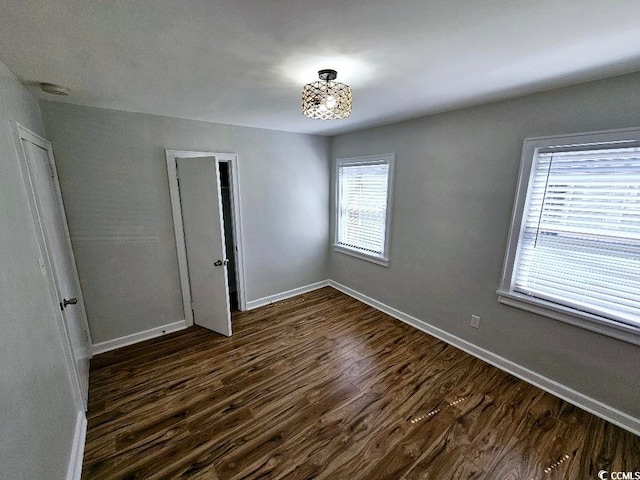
x,y
205,201
229,240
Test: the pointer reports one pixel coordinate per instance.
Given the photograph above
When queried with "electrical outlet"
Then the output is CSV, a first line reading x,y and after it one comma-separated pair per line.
x,y
475,321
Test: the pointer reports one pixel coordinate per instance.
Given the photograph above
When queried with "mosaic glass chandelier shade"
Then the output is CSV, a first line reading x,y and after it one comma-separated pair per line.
x,y
326,99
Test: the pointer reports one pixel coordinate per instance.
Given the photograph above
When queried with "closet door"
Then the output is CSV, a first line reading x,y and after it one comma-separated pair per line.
x,y
201,205
57,261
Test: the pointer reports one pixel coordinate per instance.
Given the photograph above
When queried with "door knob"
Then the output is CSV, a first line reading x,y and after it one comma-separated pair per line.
x,y
226,261
71,301
217,263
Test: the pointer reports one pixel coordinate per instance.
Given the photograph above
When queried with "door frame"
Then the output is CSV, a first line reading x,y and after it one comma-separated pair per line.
x,y
46,261
178,225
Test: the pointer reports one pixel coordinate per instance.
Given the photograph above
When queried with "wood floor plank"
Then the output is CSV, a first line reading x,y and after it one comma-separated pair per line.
x,y
322,386
500,421
360,431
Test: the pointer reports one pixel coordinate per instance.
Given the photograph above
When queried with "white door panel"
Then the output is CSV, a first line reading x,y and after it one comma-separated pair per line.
x,y
57,247
201,204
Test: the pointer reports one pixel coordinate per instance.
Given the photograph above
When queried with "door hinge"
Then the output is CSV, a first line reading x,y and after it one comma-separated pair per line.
x,y
51,170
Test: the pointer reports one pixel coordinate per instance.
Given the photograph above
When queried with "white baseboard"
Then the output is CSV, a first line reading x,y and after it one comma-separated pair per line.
x,y
284,295
138,337
182,324
574,397
74,470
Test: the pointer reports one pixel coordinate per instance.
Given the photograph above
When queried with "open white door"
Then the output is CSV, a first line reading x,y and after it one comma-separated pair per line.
x,y
201,205
57,255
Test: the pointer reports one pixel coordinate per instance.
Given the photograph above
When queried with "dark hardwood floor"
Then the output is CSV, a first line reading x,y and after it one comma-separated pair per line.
x,y
322,386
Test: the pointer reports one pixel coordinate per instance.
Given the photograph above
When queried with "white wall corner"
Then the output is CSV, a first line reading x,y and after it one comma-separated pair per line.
x,y
260,302
574,397
74,470
138,337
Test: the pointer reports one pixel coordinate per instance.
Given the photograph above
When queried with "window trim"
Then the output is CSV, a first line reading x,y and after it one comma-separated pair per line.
x,y
389,159
627,137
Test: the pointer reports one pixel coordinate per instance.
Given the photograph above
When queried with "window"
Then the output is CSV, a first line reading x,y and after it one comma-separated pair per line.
x,y
363,207
574,246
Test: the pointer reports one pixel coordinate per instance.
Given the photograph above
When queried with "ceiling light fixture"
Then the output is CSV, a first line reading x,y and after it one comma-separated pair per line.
x,y
54,89
326,99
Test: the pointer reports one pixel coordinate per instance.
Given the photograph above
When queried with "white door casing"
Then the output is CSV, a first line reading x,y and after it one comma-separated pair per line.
x,y
201,204
57,260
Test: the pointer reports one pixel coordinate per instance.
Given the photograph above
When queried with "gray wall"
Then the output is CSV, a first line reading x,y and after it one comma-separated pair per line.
x,y
114,183
37,412
454,188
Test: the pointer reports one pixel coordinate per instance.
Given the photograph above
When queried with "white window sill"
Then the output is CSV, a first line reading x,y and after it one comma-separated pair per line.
x,y
585,320
362,255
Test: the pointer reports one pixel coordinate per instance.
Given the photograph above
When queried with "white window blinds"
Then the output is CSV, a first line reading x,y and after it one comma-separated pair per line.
x,y
362,206
579,243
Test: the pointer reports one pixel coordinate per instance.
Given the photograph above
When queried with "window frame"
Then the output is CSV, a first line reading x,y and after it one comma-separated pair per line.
x,y
388,159
628,137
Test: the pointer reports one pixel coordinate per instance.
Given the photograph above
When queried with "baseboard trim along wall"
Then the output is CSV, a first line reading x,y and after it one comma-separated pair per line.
x,y
260,302
109,345
74,470
574,397
138,337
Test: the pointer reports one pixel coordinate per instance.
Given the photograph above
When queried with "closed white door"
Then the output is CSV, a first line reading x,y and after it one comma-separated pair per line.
x,y
201,205
57,248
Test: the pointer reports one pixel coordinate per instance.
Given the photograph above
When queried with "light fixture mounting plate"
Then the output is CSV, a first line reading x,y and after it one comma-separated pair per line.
x,y
327,74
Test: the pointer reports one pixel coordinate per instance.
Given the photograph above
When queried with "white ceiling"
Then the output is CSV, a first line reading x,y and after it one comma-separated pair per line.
x,y
244,62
